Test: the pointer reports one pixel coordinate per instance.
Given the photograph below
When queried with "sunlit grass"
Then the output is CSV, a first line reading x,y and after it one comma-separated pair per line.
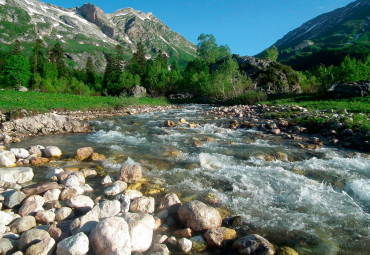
x,y
43,102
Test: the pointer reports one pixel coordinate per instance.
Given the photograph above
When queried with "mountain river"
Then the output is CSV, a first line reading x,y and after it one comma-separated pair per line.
x,y
317,202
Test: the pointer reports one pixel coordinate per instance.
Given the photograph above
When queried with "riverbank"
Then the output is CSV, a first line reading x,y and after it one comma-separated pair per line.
x,y
326,127
13,128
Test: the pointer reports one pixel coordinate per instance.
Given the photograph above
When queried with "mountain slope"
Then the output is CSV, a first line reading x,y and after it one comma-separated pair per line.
x,y
88,31
350,24
328,37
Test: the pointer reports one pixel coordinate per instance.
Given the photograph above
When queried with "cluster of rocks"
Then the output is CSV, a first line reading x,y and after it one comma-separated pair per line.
x,y
269,119
42,124
181,96
35,155
17,125
59,216
350,89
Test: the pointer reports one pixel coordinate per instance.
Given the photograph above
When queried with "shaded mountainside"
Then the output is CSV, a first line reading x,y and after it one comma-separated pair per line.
x,y
328,38
88,31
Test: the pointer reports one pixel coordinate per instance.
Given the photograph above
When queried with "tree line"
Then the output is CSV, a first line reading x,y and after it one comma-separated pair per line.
x,y
213,75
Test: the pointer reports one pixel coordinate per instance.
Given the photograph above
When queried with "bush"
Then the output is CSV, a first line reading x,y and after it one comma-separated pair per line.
x,y
251,97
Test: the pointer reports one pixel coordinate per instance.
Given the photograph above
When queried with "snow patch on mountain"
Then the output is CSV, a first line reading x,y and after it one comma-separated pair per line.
x,y
2,2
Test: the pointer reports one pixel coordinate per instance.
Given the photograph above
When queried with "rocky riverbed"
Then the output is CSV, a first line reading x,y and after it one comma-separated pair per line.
x,y
58,215
282,121
197,180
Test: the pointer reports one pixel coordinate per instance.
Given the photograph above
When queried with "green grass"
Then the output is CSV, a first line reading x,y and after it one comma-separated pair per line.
x,y
44,102
314,102
360,106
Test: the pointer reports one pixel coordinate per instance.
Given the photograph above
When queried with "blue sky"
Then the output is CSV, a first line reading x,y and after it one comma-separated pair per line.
x,y
246,26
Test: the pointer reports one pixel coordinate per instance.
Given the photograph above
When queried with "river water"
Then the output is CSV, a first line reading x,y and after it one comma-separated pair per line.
x,y
317,202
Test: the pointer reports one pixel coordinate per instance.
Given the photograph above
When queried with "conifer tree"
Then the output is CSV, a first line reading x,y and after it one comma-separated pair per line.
x,y
15,48
38,58
56,56
90,71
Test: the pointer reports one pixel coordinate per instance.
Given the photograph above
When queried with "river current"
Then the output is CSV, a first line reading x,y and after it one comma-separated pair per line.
x,y
315,201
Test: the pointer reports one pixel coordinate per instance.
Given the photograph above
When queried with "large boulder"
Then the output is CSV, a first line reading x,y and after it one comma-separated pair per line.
x,y
130,173
141,226
111,237
18,175
137,91
31,237
254,244
32,205
22,224
350,89
77,244
198,216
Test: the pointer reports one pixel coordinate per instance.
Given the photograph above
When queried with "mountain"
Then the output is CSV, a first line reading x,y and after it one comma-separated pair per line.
x,y
87,31
344,31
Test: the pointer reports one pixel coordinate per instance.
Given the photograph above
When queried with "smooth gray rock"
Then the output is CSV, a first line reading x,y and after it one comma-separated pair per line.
x,y
14,198
254,244
77,244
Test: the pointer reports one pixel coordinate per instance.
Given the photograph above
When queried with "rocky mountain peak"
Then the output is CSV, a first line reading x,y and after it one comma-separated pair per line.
x,y
88,31
96,16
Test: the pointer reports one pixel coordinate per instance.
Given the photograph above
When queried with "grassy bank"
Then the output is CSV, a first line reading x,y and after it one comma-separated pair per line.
x,y
314,102
44,102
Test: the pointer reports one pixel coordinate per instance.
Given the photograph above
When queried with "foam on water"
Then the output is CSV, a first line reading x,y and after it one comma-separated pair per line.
x,y
113,136
338,164
361,188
